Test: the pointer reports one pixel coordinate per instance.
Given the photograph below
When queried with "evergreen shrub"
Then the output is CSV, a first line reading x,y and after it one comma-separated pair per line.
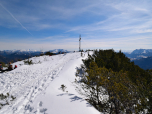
x,y
113,84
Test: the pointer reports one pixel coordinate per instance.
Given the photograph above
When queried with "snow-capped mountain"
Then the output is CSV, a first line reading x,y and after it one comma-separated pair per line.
x,y
18,51
24,51
16,55
142,51
139,53
141,57
29,51
59,50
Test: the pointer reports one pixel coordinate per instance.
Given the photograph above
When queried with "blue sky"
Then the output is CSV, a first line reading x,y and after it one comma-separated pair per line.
x,y
56,24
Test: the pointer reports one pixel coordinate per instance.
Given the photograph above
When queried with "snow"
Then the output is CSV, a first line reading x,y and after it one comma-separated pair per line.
x,y
142,56
37,87
144,51
23,50
58,50
132,59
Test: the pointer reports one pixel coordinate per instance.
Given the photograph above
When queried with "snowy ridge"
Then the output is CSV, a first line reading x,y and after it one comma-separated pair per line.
x,y
35,85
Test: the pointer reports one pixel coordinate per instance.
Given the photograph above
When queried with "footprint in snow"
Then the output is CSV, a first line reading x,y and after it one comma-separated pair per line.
x,y
40,104
43,110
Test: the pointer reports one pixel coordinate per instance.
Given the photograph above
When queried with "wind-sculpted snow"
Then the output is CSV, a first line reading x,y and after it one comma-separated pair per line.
x,y
27,82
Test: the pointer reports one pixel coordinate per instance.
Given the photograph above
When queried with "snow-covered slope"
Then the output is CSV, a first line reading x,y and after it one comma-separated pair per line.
x,y
37,87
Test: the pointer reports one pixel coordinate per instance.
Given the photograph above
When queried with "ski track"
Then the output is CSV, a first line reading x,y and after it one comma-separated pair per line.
x,y
31,81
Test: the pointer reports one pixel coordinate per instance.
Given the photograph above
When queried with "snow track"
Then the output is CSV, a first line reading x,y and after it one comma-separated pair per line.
x,y
28,81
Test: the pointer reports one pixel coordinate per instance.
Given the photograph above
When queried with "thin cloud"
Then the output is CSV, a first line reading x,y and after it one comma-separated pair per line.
x,y
143,31
14,18
102,24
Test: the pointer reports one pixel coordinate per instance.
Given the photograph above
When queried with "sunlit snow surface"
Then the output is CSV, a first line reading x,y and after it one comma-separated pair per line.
x,y
37,87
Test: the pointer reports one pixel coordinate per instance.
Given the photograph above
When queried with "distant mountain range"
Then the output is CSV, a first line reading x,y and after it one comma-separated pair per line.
x,y
15,55
59,51
142,51
141,57
144,63
139,53
7,56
